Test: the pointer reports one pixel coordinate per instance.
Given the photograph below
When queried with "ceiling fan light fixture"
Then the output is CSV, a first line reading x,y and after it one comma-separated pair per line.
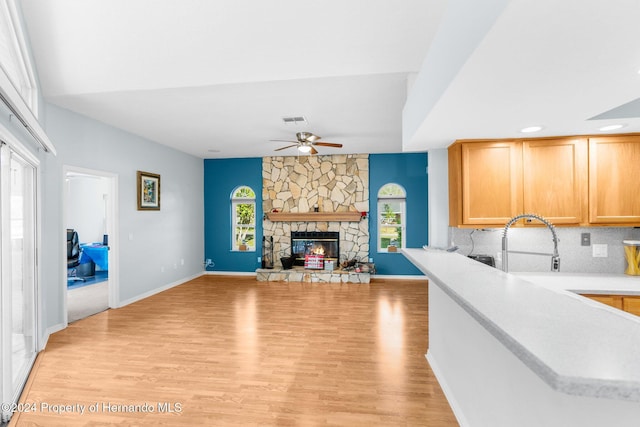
x,y
304,136
304,148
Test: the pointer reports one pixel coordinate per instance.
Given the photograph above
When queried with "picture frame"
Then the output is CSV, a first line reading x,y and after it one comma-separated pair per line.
x,y
148,191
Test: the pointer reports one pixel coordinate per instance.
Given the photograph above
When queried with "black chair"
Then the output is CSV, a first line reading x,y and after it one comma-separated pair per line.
x,y
73,255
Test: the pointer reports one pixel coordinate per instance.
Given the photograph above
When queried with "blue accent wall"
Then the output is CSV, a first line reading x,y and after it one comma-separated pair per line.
x,y
410,171
221,177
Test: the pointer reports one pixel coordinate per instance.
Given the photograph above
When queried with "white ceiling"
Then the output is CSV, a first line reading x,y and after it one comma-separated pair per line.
x,y
214,78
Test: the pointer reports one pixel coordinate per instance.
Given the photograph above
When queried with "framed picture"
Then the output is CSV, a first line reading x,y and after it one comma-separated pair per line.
x,y
148,191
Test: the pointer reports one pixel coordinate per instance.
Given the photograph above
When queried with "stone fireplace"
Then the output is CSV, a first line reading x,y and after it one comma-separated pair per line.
x,y
317,184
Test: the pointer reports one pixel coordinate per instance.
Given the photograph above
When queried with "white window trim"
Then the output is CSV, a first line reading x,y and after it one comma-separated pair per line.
x,y
24,64
235,201
9,95
382,200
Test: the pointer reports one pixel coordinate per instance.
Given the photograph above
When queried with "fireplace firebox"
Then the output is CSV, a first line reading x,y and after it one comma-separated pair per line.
x,y
325,243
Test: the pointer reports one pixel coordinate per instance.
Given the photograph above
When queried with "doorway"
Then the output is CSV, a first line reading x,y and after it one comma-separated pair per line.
x,y
90,223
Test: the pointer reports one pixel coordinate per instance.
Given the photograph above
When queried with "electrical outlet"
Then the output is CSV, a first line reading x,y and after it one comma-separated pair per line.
x,y
370,259
259,259
585,239
600,250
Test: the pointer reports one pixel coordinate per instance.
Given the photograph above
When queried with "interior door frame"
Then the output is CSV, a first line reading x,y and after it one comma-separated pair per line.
x,y
112,231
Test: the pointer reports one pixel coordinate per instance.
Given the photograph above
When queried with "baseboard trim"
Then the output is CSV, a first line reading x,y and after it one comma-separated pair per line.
x,y
373,276
15,418
230,273
397,277
448,393
157,291
48,332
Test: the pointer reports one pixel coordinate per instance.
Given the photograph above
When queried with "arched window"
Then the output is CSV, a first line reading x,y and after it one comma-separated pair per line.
x,y
243,218
391,217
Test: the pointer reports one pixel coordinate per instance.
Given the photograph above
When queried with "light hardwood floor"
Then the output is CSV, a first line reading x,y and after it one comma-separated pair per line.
x,y
231,351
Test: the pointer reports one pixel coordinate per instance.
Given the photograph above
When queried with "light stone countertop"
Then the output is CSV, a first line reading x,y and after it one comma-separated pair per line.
x,y
607,284
577,346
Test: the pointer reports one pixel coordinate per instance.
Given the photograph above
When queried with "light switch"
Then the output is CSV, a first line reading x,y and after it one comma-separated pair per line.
x,y
599,251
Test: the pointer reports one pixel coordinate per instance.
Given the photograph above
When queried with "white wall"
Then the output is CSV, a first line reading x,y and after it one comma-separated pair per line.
x,y
86,206
153,244
439,198
464,25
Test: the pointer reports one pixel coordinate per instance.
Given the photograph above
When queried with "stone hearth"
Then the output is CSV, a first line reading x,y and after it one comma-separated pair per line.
x,y
300,274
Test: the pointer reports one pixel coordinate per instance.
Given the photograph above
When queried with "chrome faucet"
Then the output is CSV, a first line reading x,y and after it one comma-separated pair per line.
x,y
555,258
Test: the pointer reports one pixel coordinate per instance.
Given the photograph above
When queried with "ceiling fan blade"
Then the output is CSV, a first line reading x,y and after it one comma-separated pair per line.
x,y
328,144
284,140
314,151
284,148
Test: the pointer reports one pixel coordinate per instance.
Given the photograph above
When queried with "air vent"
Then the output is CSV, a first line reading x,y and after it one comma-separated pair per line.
x,y
296,120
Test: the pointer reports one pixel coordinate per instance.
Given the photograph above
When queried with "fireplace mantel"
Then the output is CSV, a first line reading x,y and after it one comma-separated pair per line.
x,y
314,216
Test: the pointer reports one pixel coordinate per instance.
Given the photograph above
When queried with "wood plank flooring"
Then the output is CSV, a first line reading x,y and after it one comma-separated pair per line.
x,y
231,351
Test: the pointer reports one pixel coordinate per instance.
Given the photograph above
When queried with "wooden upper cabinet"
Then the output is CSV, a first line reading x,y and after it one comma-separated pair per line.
x,y
490,182
614,182
568,180
485,181
555,179
491,189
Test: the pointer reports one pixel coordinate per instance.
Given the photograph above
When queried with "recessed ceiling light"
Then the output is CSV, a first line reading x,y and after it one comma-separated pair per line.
x,y
531,129
610,127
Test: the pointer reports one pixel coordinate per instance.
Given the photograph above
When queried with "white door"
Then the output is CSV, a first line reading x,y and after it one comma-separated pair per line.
x,y
18,297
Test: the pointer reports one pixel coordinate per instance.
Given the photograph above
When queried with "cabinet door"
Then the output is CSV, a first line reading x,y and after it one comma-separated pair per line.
x,y
614,301
614,184
554,178
491,182
455,185
631,305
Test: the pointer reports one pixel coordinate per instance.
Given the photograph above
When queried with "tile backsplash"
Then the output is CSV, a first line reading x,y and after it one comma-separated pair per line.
x,y
574,258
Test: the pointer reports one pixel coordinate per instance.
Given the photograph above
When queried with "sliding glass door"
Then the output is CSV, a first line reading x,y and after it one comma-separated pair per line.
x,y
18,297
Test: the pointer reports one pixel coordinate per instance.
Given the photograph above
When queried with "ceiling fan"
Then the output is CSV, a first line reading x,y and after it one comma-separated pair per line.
x,y
306,143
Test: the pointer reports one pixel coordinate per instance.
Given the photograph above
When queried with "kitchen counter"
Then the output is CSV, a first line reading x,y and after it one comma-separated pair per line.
x,y
606,284
583,350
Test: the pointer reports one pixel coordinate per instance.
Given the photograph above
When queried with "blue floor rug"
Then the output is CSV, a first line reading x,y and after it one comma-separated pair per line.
x,y
100,276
